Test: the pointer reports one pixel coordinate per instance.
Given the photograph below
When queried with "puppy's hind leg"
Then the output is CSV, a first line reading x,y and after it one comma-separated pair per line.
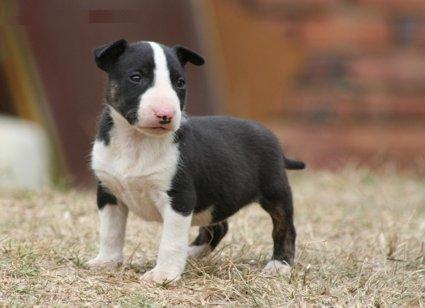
x,y
279,206
208,239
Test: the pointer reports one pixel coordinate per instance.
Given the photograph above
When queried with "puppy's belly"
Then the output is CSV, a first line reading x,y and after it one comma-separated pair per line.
x,y
139,195
203,218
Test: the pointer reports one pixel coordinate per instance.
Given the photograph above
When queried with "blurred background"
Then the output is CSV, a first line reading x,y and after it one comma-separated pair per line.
x,y
340,82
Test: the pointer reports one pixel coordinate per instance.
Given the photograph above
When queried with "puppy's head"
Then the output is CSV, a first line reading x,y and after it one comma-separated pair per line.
x,y
147,83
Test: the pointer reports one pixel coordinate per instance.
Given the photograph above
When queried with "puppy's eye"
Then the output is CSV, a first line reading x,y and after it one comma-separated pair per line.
x,y
136,77
180,83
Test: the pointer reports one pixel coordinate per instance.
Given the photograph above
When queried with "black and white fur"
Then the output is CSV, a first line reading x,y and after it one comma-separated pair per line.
x,y
152,159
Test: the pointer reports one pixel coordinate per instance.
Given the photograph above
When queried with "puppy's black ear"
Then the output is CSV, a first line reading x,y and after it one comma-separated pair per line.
x,y
186,55
106,55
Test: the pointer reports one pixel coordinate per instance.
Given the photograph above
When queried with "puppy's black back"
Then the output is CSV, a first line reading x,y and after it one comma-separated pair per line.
x,y
227,163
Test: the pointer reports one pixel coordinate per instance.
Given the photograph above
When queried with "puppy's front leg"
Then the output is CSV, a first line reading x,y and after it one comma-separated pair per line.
x,y
113,219
172,254
112,230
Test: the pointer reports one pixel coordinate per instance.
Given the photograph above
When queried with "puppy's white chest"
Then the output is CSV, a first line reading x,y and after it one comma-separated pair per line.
x,y
138,172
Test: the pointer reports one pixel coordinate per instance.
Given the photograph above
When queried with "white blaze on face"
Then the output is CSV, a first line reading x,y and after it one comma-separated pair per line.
x,y
161,97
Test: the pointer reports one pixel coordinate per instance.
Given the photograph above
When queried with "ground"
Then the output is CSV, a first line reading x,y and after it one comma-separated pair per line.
x,y
360,241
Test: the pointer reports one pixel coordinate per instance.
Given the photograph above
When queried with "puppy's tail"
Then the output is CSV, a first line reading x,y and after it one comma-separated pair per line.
x,y
292,164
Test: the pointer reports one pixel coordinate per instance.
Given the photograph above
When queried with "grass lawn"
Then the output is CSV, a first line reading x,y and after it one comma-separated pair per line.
x,y
361,240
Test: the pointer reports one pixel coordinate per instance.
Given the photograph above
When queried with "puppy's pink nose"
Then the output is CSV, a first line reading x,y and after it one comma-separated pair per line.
x,y
165,114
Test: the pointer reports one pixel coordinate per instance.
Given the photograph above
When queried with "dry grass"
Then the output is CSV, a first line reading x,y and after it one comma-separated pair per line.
x,y
360,241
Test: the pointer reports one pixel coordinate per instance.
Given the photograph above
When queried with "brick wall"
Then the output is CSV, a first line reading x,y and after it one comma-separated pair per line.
x,y
363,58
357,92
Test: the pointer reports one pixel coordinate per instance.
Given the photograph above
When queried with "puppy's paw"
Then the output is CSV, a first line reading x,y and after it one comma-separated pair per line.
x,y
276,268
102,262
160,276
198,251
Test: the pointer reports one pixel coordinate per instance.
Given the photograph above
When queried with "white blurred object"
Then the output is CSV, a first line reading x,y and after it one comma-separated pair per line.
x,y
24,155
